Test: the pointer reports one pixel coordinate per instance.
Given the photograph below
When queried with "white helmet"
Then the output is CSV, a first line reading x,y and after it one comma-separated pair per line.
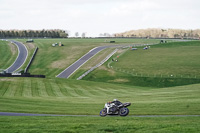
x,y
115,100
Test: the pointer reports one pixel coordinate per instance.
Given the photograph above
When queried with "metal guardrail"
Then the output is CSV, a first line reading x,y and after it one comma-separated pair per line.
x,y
31,60
102,62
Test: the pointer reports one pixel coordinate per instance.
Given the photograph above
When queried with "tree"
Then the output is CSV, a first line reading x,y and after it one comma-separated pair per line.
x,y
76,34
83,35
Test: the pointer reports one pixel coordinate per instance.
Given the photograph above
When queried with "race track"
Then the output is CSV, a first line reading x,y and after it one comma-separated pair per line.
x,y
21,58
71,69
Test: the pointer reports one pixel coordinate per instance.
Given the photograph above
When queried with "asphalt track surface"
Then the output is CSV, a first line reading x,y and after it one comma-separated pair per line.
x,y
71,69
21,58
29,114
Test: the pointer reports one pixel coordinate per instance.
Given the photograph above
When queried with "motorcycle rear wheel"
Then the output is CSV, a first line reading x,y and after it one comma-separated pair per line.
x,y
103,112
123,111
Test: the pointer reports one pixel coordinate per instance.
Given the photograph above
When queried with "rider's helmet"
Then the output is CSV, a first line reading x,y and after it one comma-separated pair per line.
x,y
115,100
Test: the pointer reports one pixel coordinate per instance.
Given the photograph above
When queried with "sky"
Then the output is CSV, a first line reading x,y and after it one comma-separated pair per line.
x,y
99,16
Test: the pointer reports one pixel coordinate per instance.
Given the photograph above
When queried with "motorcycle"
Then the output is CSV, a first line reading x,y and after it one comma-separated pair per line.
x,y
112,109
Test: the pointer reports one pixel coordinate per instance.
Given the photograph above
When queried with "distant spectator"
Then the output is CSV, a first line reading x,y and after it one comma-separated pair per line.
x,y
145,48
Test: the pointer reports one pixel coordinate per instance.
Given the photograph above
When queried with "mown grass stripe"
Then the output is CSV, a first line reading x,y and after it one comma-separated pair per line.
x,y
63,88
41,88
106,91
56,89
27,85
49,89
95,91
20,88
4,88
11,90
85,90
34,88
71,91
14,87
80,92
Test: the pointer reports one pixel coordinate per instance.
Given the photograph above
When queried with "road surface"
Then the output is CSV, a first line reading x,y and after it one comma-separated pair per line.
x,y
21,58
71,69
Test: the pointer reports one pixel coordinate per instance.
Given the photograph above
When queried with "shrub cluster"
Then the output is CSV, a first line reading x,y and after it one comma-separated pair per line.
x,y
56,33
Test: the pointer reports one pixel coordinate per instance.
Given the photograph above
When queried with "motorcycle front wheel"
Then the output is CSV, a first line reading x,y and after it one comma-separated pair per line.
x,y
103,112
123,111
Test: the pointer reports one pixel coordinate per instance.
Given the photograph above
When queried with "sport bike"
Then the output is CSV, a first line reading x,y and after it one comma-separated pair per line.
x,y
113,109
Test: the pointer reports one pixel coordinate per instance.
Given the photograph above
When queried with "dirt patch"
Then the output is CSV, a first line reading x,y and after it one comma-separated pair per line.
x,y
13,48
119,80
30,46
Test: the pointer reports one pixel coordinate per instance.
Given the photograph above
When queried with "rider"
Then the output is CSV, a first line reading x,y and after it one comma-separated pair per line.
x,y
114,103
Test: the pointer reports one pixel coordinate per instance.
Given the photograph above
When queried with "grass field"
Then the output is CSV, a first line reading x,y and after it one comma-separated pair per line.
x,y
60,96
50,61
162,65
178,58
8,54
87,97
100,125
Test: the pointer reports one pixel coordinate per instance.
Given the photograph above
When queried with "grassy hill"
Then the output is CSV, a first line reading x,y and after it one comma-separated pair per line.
x,y
87,97
162,65
8,54
60,96
50,61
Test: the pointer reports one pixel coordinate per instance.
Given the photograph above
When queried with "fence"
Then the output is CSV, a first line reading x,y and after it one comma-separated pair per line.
x,y
102,62
31,60
150,75
154,75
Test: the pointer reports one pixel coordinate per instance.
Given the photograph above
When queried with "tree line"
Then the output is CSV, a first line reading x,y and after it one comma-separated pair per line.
x,y
161,33
57,33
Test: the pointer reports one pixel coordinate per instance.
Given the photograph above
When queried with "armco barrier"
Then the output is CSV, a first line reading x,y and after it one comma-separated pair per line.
x,y
31,60
98,65
21,75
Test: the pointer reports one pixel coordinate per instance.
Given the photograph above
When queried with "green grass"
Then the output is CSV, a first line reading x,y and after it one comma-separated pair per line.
x,y
60,96
6,55
50,61
163,65
100,125
178,58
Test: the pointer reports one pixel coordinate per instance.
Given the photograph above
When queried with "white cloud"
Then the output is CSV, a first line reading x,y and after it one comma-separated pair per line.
x,y
98,16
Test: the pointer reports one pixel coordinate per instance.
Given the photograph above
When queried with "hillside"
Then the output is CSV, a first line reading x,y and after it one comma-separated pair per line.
x,y
8,54
61,96
161,33
163,65
154,107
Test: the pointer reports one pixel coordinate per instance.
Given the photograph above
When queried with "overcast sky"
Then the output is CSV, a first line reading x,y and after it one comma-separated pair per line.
x,y
99,16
